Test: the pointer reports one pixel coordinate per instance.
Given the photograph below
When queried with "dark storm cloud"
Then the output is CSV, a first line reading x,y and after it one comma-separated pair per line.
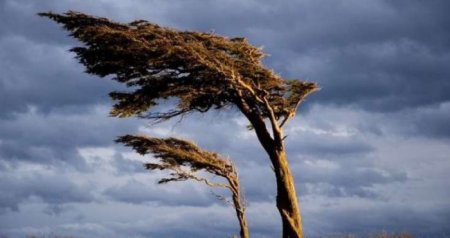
x,y
431,122
19,19
36,67
386,76
53,137
376,55
44,76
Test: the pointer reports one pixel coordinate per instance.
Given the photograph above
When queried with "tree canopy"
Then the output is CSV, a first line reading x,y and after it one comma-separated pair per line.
x,y
200,70
183,157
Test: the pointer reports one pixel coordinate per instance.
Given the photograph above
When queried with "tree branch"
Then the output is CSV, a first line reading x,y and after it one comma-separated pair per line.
x,y
276,130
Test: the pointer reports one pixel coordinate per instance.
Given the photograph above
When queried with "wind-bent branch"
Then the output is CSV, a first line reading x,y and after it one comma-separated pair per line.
x,y
184,158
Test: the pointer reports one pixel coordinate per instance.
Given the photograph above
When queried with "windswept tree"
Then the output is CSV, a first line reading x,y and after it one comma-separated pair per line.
x,y
199,72
184,159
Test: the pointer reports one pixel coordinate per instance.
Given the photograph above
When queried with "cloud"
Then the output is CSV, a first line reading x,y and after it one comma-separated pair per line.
x,y
175,194
365,217
55,137
45,77
116,219
30,183
427,121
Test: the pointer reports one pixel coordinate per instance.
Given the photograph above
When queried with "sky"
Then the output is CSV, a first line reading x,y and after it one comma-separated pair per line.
x,y
370,151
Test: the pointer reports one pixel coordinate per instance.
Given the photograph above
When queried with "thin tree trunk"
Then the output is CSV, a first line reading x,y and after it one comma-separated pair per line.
x,y
244,227
238,206
242,220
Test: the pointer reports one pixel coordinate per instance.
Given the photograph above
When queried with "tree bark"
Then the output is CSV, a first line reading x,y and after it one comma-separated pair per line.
x,y
244,227
287,202
238,206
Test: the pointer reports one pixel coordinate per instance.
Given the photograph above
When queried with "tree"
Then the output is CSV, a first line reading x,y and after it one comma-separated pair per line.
x,y
201,71
184,159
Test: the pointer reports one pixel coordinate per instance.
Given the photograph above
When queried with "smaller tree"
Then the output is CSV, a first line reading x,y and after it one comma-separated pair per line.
x,y
185,159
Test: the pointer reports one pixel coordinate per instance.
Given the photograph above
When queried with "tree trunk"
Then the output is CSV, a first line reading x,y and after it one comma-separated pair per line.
x,y
239,207
242,221
287,203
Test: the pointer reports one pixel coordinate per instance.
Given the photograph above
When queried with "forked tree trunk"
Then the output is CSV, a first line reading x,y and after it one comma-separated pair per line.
x,y
287,203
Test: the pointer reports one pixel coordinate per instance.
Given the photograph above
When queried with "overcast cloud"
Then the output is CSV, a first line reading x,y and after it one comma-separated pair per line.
x,y
370,152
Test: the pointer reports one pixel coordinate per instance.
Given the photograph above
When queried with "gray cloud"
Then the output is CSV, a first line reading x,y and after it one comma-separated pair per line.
x,y
54,137
382,76
182,194
375,219
49,188
428,121
44,76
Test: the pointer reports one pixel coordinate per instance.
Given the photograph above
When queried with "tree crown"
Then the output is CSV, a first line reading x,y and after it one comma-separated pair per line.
x,y
200,70
183,157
